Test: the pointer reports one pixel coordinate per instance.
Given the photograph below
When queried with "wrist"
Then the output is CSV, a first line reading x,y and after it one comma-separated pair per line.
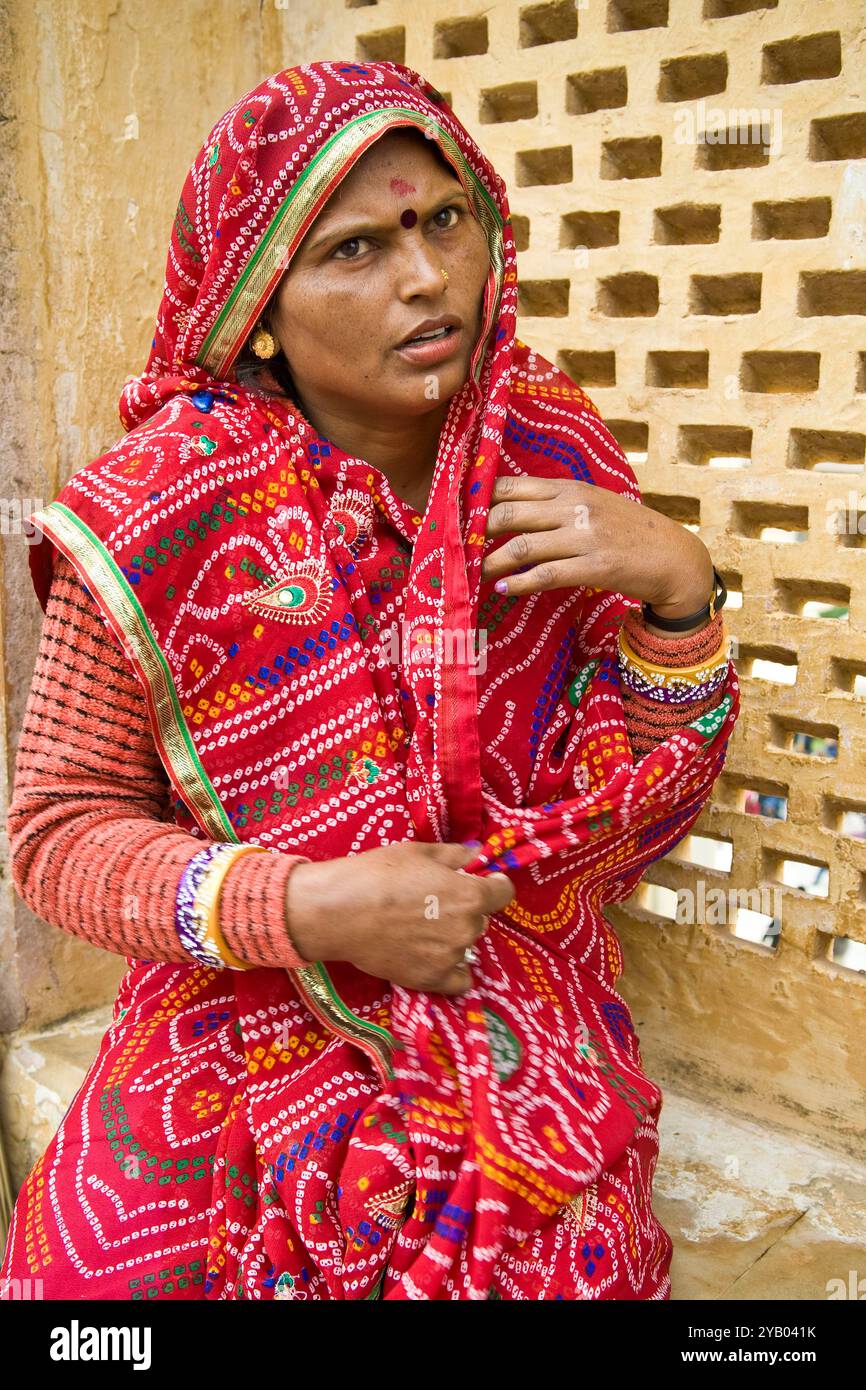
x,y
311,909
688,591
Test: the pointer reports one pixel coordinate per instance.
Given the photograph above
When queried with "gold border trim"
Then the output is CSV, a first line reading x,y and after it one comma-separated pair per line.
x,y
116,599
299,208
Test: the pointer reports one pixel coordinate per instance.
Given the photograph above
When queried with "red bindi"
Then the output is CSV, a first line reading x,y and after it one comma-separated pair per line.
x,y
408,218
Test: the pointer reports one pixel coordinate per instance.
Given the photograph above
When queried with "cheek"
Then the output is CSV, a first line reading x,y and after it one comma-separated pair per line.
x,y
322,320
474,263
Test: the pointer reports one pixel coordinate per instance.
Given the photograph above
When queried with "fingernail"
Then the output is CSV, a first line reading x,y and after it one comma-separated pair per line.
x,y
501,586
471,844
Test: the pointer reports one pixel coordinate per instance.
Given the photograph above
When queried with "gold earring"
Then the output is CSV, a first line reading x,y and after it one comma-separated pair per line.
x,y
263,343
445,273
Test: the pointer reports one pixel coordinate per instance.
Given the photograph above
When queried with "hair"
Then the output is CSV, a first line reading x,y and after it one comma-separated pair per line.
x,y
248,367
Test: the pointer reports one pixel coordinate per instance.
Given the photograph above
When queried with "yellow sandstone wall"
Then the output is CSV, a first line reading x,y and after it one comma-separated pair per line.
x,y
710,296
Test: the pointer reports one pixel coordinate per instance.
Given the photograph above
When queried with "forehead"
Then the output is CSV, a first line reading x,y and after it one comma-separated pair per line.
x,y
400,161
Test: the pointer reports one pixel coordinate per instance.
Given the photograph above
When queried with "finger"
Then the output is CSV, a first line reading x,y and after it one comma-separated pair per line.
x,y
483,924
530,514
528,485
449,853
457,981
531,549
498,890
548,574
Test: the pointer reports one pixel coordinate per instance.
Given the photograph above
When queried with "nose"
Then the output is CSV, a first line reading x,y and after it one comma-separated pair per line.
x,y
419,269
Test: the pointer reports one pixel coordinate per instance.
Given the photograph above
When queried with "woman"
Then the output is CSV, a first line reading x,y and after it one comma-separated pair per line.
x,y
369,1043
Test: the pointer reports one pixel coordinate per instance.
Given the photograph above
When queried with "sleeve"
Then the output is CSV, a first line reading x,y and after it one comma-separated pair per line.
x,y
91,851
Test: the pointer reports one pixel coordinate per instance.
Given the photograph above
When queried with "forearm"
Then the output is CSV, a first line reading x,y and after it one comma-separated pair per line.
x,y
91,852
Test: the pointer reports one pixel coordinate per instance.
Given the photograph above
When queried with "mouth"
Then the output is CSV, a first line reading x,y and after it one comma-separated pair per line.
x,y
434,344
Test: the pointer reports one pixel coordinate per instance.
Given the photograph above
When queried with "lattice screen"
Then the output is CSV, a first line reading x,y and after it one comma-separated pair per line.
x,y
709,294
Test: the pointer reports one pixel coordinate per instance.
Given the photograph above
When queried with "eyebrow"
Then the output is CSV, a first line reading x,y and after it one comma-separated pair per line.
x,y
355,228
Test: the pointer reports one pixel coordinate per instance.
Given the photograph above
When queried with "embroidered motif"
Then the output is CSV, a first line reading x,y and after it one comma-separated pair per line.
x,y
302,592
389,1208
364,771
354,514
580,1211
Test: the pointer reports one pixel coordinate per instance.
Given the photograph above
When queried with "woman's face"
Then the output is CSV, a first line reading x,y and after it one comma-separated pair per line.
x,y
361,281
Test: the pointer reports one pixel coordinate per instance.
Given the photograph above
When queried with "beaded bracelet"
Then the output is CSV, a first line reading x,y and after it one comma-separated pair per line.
x,y
197,905
672,685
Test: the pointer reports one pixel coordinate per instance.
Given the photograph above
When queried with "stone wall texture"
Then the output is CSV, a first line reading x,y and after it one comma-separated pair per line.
x,y
688,185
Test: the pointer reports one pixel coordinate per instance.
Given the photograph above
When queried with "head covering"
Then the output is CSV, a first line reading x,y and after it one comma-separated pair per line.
x,y
247,565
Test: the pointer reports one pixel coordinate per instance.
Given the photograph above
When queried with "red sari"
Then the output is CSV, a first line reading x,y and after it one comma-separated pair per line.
x,y
319,1133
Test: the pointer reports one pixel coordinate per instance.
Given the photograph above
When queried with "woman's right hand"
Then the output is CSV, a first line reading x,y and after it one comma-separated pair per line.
x,y
400,912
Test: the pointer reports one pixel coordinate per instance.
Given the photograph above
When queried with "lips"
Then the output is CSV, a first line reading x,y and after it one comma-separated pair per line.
x,y
430,326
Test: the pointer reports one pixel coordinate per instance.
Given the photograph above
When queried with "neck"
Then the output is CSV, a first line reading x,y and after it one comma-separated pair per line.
x,y
404,449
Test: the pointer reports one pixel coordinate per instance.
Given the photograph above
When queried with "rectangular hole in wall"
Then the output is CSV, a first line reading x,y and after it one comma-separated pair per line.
x,y
460,38
632,436
860,372
843,952
685,510
686,79
813,598
827,451
810,876
794,219
551,23
734,585
807,59
517,101
845,816
537,168
631,158
753,796
705,852
826,292
849,525
780,371
543,298
655,898
761,928
687,224
678,369
735,147
725,9
588,369
715,446
789,734
589,229
838,137
767,663
384,46
520,227
632,294
771,521
603,90
636,14
848,676
725,294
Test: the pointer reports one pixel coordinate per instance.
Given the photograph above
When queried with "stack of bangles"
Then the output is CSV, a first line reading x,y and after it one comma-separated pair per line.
x,y
196,917
673,685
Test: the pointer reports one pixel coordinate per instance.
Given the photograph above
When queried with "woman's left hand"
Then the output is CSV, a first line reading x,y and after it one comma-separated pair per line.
x,y
576,534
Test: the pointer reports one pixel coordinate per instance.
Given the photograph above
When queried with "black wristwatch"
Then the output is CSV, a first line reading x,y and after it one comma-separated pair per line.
x,y
709,610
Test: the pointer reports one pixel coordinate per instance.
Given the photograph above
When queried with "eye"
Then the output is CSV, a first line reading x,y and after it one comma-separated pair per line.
x,y
355,240
350,241
452,207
